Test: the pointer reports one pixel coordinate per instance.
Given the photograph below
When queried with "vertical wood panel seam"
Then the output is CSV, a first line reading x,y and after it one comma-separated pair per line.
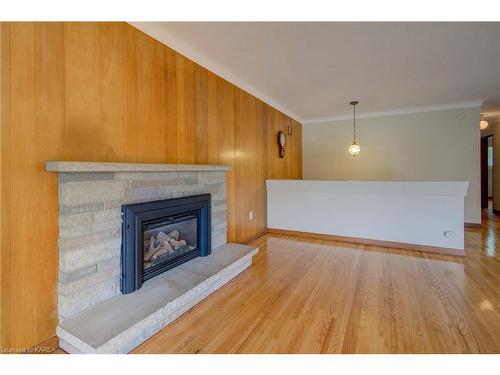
x,y
9,160
2,98
34,142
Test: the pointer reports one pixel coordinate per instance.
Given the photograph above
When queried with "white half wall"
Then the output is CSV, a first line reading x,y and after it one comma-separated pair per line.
x,y
417,212
425,146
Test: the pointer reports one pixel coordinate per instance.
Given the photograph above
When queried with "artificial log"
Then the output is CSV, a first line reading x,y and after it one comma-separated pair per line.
x,y
177,244
152,249
174,234
162,237
162,243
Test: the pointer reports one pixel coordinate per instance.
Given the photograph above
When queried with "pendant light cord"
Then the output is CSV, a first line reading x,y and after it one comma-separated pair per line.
x,y
354,109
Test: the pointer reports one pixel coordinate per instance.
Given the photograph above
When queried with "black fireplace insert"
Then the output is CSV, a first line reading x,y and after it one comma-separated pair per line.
x,y
160,235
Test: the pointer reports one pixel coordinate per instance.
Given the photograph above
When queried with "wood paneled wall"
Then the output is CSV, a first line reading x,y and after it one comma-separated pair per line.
x,y
108,92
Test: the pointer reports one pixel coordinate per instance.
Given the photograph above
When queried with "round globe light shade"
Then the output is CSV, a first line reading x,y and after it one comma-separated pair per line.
x,y
483,124
354,149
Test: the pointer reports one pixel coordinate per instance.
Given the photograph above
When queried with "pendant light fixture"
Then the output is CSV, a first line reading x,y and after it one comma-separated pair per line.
x,y
483,124
354,148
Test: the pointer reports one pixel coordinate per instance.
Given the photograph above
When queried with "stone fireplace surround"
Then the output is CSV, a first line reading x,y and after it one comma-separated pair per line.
x,y
94,317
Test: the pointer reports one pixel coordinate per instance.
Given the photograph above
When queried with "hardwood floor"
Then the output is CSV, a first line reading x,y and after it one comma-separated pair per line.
x,y
316,296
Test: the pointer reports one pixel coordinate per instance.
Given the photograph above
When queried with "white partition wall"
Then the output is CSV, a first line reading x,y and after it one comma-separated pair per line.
x,y
424,213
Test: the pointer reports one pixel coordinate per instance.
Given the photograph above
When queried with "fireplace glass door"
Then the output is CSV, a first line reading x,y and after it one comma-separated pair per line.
x,y
165,241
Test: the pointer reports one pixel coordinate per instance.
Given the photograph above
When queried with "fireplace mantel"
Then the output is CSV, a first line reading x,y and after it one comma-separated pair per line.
x,y
85,166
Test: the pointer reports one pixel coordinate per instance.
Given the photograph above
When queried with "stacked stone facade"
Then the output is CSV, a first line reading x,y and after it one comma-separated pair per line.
x,y
90,225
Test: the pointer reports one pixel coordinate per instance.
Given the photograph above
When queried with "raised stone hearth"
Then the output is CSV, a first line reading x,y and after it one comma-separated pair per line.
x,y
91,195
121,323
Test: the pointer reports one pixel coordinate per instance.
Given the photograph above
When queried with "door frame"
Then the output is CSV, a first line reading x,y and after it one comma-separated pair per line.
x,y
484,170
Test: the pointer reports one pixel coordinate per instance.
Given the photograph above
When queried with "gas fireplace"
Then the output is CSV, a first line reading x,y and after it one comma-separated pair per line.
x,y
160,235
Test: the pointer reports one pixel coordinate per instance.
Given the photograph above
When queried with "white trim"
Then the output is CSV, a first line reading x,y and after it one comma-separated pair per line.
x,y
185,50
394,112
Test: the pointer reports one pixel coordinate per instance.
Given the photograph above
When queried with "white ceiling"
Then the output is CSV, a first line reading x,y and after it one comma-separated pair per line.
x,y
312,70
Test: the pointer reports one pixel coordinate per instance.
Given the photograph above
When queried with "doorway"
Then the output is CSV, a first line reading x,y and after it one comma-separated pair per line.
x,y
487,159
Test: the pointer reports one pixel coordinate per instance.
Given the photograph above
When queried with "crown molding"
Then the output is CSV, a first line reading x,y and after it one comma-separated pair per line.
x,y
394,112
187,51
